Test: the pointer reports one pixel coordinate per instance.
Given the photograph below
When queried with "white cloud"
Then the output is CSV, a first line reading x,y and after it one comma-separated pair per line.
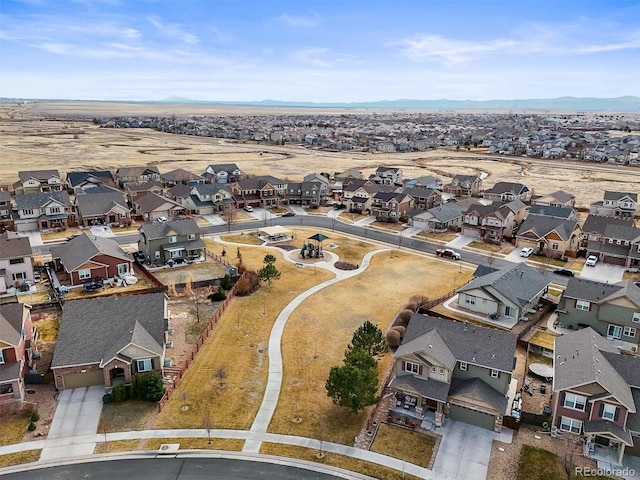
x,y
298,21
174,31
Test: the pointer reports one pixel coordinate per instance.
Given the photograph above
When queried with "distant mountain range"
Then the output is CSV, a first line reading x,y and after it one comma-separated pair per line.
x,y
587,104
574,104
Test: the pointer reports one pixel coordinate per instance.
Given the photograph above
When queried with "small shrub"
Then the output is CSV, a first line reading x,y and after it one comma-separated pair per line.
x,y
400,329
118,393
226,282
35,417
419,300
218,295
154,388
247,284
412,306
393,338
106,398
31,427
404,316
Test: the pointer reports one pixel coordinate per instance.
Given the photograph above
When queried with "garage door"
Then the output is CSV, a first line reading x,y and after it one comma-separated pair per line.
x,y
614,260
472,417
77,380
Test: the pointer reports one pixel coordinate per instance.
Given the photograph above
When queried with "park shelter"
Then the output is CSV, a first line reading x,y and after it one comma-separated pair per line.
x,y
274,234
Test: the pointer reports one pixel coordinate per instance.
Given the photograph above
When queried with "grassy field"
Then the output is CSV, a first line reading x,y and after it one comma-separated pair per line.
x,y
404,444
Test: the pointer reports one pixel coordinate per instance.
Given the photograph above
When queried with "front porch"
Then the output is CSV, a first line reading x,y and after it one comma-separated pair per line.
x,y
414,411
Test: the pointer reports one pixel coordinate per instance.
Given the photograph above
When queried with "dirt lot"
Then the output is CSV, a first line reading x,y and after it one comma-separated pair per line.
x,y
38,136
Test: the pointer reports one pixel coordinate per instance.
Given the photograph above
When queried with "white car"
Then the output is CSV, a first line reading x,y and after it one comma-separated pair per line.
x,y
248,208
591,261
526,252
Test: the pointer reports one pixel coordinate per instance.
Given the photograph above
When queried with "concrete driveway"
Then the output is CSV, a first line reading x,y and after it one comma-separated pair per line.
x,y
298,210
465,450
460,241
78,413
603,272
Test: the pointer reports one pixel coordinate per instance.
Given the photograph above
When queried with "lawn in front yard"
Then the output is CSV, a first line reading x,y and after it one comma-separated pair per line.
x,y
238,346
319,330
404,444
12,430
126,416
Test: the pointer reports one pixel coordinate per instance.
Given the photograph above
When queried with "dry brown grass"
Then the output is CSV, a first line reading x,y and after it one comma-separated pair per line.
x,y
117,446
437,237
248,238
340,461
407,445
239,344
488,247
12,428
229,444
319,331
27,456
126,416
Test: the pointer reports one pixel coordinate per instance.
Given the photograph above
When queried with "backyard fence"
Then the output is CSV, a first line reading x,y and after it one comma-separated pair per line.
x,y
171,387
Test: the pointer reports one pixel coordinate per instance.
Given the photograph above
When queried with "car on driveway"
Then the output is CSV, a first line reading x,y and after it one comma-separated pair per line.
x,y
289,214
564,271
526,252
248,208
591,261
448,253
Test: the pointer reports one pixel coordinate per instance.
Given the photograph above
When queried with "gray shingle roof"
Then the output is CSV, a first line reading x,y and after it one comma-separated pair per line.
x,y
38,200
480,388
11,246
182,226
99,203
519,283
473,344
604,426
77,178
559,212
598,223
41,175
609,195
508,187
95,330
180,175
11,322
83,248
541,226
152,201
590,290
427,387
621,232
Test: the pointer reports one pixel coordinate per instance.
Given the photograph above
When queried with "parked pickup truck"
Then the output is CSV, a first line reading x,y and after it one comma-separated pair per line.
x,y
448,253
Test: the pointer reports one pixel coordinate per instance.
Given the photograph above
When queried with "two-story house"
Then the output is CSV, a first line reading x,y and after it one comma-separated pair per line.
x,y
109,340
207,199
492,223
424,198
16,261
128,175
177,241
42,211
464,186
618,245
5,206
155,207
550,236
391,206
306,193
611,309
559,198
222,173
594,227
596,394
449,369
507,192
77,182
35,181
17,344
426,181
253,193
387,176
135,191
180,176
616,204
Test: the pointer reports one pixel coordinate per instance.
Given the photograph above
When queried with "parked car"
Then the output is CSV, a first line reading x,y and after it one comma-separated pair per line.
x,y
448,253
339,206
526,252
289,214
564,271
591,261
248,208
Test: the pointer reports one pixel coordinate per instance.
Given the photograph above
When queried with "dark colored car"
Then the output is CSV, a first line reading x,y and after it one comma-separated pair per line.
x,y
564,271
339,206
288,214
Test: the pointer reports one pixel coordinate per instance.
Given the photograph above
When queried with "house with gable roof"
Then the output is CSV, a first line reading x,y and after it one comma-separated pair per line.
x,y
464,186
494,222
180,176
102,206
16,261
137,175
387,176
424,198
616,204
42,211
207,199
448,216
152,207
109,340
253,193
35,181
449,369
80,181
618,245
506,295
222,173
177,240
507,192
558,198
391,206
551,236
596,395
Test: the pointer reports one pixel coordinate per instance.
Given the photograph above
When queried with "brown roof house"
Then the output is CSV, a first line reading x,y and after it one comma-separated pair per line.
x,y
153,207
16,261
109,340
34,181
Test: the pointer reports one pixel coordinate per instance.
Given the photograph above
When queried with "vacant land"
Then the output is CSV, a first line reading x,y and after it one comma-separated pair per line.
x,y
41,135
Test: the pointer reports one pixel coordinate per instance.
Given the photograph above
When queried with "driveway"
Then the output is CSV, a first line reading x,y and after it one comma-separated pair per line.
x,y
297,210
460,241
214,219
102,231
78,413
603,272
465,450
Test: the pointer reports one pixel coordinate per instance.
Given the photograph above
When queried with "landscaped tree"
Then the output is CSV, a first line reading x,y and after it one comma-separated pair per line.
x,y
360,359
229,214
353,388
269,271
370,339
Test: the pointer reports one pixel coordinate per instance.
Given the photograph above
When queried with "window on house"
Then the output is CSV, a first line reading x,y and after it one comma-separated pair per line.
x,y
172,239
175,254
434,369
495,373
441,371
463,365
122,215
618,242
1,356
577,402
555,246
192,236
54,210
84,274
470,300
570,425
636,317
15,261
28,211
144,365
608,411
582,305
123,269
629,332
19,276
411,367
614,331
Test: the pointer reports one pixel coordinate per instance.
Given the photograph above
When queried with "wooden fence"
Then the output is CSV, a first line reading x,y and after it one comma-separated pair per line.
x,y
171,387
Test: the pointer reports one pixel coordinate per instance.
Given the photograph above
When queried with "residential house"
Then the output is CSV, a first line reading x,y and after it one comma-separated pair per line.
x,y
109,340
350,173
16,261
35,181
179,192
595,225
507,192
449,369
558,198
351,185
102,208
464,186
135,191
153,207
424,198
387,176
618,245
253,193
391,206
611,309
17,344
5,205
360,200
177,240
491,223
222,173
207,199
596,391
550,236
448,216
77,182
506,294
616,204
305,193
426,181
137,175
42,211
86,257
180,176
567,213
281,185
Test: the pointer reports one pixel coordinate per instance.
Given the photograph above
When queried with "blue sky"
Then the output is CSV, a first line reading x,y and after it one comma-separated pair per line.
x,y
318,51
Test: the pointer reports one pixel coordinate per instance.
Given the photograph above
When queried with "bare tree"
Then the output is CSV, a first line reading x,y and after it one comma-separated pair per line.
x,y
207,424
220,374
229,214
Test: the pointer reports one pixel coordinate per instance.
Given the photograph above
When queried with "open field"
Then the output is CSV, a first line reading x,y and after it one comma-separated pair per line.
x,y
43,135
